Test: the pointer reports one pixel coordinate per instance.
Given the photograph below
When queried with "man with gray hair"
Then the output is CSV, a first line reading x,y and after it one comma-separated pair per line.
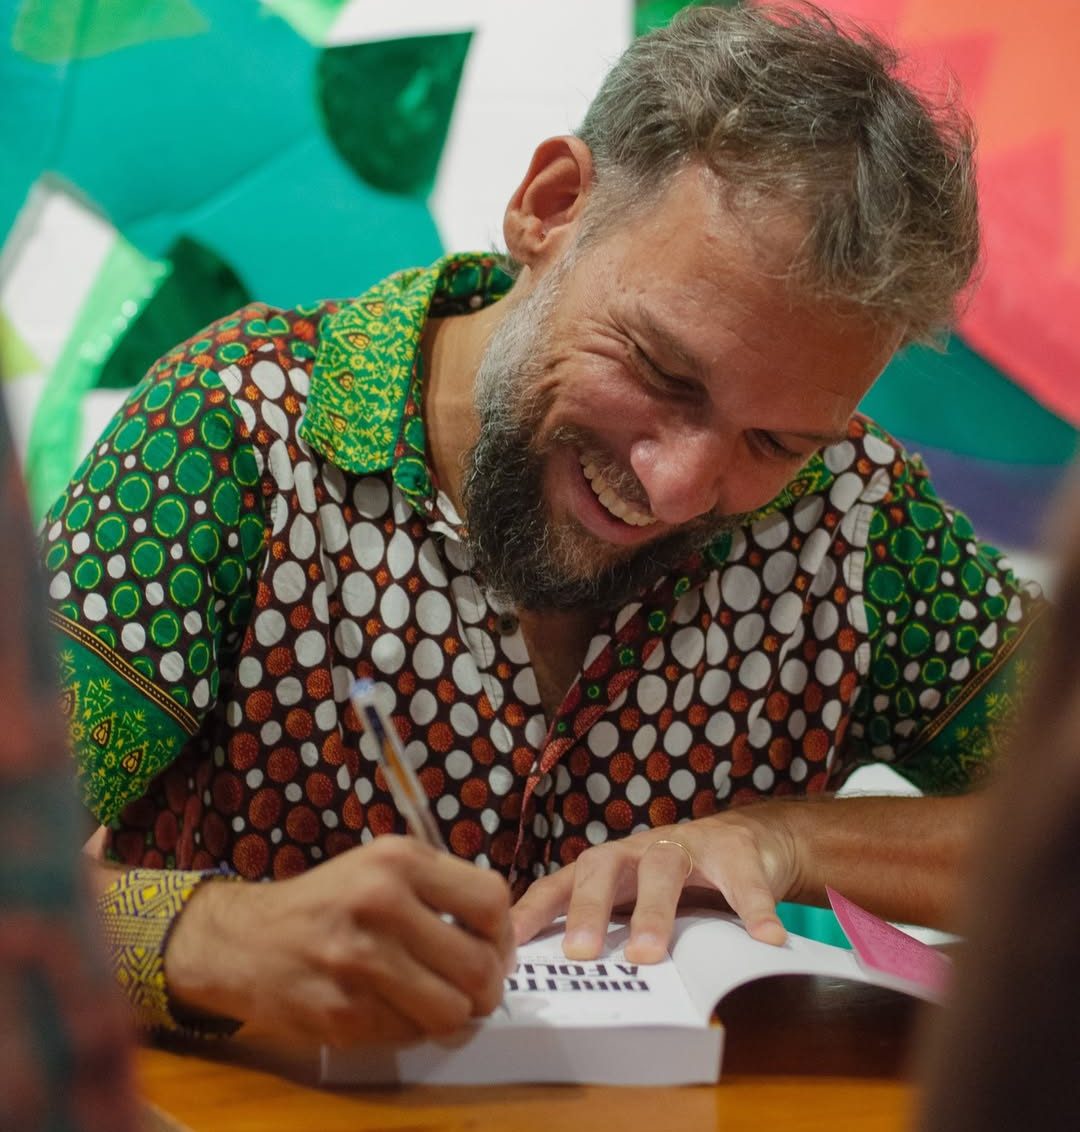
x,y
617,549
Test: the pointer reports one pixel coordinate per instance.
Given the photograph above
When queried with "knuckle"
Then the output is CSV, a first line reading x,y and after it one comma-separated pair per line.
x,y
493,903
491,995
380,894
480,972
395,852
449,1012
741,838
344,1021
331,954
596,856
342,954
598,863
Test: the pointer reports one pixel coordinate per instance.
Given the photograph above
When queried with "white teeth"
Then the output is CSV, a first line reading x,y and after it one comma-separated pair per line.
x,y
611,500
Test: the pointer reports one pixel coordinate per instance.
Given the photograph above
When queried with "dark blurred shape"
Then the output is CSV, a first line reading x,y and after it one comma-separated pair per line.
x,y
1005,1054
65,1046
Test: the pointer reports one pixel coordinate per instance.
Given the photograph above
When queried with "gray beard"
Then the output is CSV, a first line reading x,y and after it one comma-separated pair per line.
x,y
530,564
524,559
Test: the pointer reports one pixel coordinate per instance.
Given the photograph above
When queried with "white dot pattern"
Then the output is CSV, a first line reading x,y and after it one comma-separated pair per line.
x,y
729,680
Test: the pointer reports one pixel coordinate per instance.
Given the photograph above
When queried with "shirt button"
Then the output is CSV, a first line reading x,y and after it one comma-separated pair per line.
x,y
507,624
476,301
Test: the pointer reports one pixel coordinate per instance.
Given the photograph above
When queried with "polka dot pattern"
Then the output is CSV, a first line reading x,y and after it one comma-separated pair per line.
x,y
830,629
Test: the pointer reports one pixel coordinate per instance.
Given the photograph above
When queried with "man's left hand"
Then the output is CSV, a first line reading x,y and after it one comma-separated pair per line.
x,y
900,858
748,856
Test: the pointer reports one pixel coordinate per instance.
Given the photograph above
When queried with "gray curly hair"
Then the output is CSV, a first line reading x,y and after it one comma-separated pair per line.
x,y
783,104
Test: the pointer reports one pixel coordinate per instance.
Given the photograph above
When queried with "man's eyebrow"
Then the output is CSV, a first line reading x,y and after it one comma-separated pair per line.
x,y
669,341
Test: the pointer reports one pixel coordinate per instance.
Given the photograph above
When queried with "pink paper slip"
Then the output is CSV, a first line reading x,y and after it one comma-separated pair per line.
x,y
892,956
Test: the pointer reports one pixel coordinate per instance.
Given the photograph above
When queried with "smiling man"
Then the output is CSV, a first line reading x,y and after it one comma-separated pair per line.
x,y
603,523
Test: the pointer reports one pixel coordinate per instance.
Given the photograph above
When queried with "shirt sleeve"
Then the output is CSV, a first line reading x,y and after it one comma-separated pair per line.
x,y
151,553
139,911
950,641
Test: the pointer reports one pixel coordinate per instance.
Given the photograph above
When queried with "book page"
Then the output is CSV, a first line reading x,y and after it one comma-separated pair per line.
x,y
716,954
547,989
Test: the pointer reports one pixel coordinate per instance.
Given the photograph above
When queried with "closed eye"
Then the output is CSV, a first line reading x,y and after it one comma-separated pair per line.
x,y
768,445
669,382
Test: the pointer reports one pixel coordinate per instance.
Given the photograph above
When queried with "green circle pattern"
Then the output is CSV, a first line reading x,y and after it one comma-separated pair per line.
x,y
160,450
194,471
126,600
110,533
927,605
135,492
173,533
170,516
103,474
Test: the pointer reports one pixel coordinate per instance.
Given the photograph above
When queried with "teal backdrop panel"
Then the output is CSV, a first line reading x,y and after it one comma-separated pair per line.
x,y
958,401
301,226
166,125
30,110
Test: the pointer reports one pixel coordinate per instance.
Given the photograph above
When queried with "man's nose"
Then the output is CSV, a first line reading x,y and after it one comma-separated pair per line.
x,y
682,472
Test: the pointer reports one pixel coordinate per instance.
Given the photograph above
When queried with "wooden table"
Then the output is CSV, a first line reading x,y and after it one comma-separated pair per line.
x,y
802,1054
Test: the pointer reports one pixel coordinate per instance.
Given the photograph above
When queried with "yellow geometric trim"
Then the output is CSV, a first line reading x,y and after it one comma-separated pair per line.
x,y
138,912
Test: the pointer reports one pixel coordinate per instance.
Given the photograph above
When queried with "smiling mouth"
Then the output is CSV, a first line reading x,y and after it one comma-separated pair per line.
x,y
610,499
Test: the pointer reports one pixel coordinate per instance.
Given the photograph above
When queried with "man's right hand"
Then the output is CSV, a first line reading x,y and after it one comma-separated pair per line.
x,y
355,950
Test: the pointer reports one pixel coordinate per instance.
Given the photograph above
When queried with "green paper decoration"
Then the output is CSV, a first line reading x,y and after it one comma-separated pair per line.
x,y
55,31
311,18
649,14
16,357
199,288
387,106
126,282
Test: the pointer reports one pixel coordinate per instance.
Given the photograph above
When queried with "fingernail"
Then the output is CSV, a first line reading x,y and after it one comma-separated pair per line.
x,y
770,931
579,944
647,946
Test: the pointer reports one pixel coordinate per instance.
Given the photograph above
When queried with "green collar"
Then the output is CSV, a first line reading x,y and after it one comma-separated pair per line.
x,y
362,410
367,369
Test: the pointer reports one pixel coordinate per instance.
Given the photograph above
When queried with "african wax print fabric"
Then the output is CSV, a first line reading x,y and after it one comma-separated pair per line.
x,y
258,527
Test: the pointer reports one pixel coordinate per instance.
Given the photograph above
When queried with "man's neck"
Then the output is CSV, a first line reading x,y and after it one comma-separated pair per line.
x,y
451,350
557,643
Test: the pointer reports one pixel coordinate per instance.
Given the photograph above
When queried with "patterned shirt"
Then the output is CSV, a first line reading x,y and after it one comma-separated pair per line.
x,y
259,526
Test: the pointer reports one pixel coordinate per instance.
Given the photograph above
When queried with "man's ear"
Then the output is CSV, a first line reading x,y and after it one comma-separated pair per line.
x,y
541,218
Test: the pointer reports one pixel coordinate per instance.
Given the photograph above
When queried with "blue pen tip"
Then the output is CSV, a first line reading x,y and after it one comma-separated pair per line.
x,y
364,686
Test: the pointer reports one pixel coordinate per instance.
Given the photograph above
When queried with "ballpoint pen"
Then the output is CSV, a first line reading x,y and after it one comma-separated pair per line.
x,y
408,792
406,789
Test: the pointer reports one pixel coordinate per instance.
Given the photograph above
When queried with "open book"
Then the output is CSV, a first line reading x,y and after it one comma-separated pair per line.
x,y
612,1022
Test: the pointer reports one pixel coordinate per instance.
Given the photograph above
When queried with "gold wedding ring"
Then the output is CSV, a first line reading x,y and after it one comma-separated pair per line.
x,y
679,845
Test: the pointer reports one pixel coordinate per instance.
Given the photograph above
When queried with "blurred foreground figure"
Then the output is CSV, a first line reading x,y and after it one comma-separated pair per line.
x,y
1005,1055
64,1048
